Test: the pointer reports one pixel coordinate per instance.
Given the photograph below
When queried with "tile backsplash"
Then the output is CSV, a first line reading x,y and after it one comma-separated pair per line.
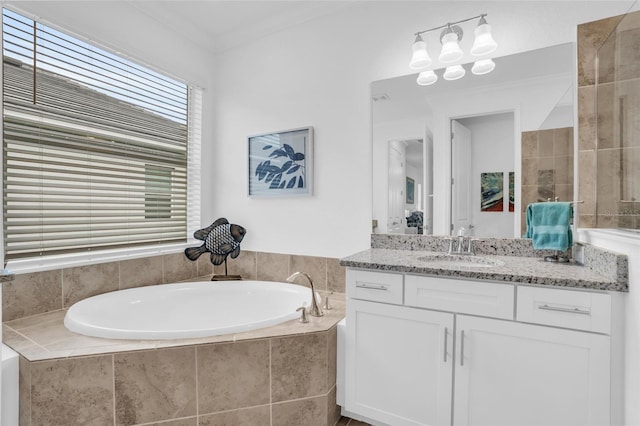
x,y
40,292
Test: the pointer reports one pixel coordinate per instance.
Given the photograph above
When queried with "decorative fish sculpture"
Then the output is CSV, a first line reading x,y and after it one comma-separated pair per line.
x,y
220,238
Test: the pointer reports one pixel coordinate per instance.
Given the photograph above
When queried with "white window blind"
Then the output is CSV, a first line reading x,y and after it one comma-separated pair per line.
x,y
95,146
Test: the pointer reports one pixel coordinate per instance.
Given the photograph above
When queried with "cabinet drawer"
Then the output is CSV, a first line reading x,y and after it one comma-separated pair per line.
x,y
467,297
375,286
580,310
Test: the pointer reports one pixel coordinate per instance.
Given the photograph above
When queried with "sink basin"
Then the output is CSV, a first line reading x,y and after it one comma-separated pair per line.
x,y
460,261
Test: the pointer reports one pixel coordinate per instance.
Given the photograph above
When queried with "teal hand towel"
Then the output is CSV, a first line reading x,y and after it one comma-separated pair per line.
x,y
549,225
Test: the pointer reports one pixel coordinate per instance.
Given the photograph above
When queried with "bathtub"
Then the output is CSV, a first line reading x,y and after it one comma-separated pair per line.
x,y
187,310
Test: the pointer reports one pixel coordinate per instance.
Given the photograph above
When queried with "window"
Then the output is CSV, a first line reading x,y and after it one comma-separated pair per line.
x,y
95,146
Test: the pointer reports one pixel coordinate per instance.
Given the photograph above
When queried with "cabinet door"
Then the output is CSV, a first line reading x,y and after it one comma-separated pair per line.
x,y
515,374
398,364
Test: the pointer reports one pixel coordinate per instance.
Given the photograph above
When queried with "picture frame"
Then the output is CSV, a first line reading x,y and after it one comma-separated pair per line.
x,y
410,190
280,164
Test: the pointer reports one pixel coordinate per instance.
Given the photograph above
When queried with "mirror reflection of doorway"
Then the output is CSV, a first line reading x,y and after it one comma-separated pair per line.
x,y
395,215
409,204
483,145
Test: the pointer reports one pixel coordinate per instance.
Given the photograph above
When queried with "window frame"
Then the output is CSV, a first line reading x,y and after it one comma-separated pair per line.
x,y
87,257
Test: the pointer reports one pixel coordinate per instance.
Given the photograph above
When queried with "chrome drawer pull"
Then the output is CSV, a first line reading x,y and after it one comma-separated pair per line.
x,y
567,310
372,286
446,335
462,348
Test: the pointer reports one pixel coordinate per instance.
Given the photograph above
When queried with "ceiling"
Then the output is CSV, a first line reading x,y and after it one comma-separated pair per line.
x,y
220,25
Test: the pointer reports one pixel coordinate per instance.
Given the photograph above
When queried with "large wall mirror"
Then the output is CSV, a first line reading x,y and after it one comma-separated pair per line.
x,y
472,153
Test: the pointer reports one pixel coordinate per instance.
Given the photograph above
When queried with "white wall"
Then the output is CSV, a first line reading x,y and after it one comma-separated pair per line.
x,y
492,150
319,74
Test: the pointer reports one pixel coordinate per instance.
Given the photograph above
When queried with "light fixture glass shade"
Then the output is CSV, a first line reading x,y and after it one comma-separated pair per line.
x,y
484,43
454,72
483,66
420,57
451,51
425,78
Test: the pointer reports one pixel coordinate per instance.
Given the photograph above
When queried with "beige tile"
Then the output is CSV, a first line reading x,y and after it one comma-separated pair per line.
x,y
244,265
336,280
332,343
22,323
254,416
545,143
31,294
586,118
316,267
607,62
529,144
272,266
85,281
299,366
530,171
564,192
606,220
188,421
176,267
333,409
591,35
307,412
587,221
587,181
204,265
76,391
140,272
606,117
529,195
24,391
233,375
152,386
608,179
561,168
563,141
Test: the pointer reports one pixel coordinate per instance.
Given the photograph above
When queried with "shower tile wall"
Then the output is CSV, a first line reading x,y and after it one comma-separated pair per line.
x,y
609,124
40,292
547,167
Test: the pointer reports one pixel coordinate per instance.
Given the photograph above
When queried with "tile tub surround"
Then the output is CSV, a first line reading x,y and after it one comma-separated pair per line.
x,y
273,376
40,292
599,264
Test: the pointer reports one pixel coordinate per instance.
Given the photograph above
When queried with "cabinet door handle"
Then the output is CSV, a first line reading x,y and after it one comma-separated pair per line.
x,y
372,286
567,310
446,337
461,348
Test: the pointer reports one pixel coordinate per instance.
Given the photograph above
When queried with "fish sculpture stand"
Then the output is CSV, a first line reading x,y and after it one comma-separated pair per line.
x,y
221,239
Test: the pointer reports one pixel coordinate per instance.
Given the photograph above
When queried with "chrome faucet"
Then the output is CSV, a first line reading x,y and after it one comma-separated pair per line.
x,y
461,240
314,309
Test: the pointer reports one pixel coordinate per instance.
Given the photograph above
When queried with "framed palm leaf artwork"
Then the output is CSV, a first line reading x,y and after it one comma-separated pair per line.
x,y
281,163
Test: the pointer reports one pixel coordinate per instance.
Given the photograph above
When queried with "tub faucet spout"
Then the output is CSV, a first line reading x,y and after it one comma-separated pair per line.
x,y
314,309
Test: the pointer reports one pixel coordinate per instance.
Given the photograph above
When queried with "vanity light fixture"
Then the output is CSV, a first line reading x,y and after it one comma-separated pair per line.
x,y
451,52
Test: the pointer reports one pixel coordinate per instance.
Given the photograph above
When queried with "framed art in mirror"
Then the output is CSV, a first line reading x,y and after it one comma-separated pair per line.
x,y
281,163
410,190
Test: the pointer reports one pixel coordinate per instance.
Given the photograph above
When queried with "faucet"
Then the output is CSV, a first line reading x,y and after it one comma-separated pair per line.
x,y
461,239
314,309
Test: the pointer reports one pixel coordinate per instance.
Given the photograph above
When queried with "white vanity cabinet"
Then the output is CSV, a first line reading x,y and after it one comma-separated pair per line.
x,y
456,352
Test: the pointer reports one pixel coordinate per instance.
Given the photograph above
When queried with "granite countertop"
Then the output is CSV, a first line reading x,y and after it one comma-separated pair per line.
x,y
517,269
